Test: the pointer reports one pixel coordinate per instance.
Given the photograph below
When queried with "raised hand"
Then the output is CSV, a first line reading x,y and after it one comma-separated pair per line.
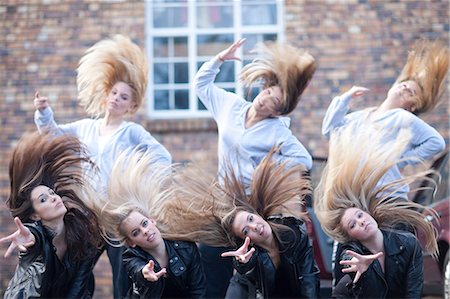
x,y
149,272
356,91
230,52
243,255
40,103
359,263
22,238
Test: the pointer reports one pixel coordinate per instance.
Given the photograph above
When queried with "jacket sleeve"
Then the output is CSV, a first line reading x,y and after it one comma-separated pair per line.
x,y
196,275
307,270
249,266
45,122
414,277
134,265
426,142
29,275
335,115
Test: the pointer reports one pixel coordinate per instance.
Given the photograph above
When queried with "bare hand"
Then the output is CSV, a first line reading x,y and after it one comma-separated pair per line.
x,y
40,103
243,255
22,238
359,263
356,91
230,52
149,272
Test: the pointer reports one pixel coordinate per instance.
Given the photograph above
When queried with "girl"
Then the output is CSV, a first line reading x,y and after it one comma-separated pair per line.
x,y
158,267
280,262
376,261
57,234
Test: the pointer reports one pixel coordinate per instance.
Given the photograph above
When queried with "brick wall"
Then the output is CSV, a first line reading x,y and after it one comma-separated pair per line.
x,y
355,43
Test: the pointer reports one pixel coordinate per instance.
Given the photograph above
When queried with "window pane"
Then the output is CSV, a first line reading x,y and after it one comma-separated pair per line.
x,y
180,46
170,17
215,16
182,99
161,73
160,47
211,44
259,14
162,100
181,73
200,105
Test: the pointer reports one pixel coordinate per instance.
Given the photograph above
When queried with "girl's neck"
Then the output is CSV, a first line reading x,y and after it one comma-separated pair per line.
x,y
252,117
112,121
376,243
160,254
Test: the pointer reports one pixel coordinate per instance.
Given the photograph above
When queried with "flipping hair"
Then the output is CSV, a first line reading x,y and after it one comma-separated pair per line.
x,y
427,65
283,65
106,63
58,163
201,209
355,165
138,184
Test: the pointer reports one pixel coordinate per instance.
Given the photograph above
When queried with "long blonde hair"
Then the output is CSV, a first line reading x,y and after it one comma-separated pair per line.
x,y
427,65
355,165
106,63
283,65
137,183
202,210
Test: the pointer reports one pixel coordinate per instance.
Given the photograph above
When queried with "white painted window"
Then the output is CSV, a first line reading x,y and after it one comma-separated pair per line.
x,y
181,35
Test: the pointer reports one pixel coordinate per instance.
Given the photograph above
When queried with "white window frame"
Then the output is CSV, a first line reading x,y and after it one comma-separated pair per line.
x,y
192,33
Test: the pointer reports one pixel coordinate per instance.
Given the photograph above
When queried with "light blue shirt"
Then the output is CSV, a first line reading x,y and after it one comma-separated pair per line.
x,y
425,141
239,147
128,136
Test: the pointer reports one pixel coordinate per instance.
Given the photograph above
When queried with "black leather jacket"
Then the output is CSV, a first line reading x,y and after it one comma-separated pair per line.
x,y
185,271
403,272
297,275
40,273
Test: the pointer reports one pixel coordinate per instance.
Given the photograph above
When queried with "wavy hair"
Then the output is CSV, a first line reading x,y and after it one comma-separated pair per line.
x,y
283,65
355,165
106,63
58,163
427,65
201,209
138,184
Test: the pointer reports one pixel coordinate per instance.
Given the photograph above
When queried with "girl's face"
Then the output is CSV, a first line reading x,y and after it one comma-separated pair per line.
x,y
48,206
120,99
405,95
141,231
268,101
358,224
250,225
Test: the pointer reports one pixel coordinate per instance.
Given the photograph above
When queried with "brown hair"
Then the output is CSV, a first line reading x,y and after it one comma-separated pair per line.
x,y
427,65
106,63
58,163
202,210
283,65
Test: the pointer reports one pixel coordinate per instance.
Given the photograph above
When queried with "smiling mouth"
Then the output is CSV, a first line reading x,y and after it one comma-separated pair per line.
x,y
151,237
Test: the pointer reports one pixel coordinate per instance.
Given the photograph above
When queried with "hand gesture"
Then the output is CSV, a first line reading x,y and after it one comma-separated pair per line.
x,y
149,272
243,255
356,91
40,103
359,263
21,238
230,52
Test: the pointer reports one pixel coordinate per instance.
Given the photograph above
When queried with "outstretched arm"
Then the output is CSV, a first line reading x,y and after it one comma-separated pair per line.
x,y
22,238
